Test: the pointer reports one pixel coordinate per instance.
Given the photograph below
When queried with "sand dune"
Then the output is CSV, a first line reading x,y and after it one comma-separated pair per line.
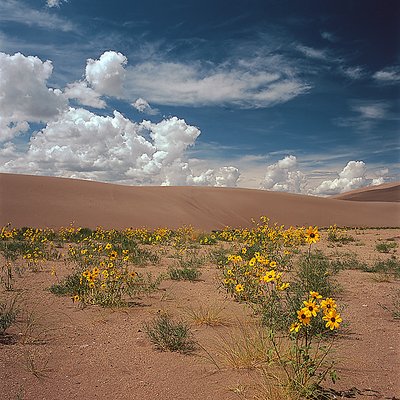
x,y
388,192
54,202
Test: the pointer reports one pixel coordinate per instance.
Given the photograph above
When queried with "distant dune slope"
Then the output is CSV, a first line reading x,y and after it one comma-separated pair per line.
x,y
54,202
388,192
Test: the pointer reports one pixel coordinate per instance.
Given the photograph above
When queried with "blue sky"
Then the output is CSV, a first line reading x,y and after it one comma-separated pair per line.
x,y
279,95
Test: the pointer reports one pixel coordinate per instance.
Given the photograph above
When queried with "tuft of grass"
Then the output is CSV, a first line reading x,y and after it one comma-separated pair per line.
x,y
8,314
168,335
248,347
389,267
184,274
210,316
385,247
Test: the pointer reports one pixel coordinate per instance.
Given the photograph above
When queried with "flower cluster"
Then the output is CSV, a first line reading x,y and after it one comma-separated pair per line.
x,y
312,307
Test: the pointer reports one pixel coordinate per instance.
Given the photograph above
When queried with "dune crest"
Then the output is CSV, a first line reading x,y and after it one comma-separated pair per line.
x,y
387,192
53,202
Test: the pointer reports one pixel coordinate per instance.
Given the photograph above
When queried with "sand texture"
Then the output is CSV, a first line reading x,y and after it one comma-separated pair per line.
x,y
54,202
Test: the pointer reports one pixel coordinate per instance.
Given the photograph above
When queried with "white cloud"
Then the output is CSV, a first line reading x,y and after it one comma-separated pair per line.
x,y
55,3
144,107
353,72
222,177
84,94
368,114
313,53
353,176
81,144
283,176
371,111
25,96
242,85
388,75
15,11
106,75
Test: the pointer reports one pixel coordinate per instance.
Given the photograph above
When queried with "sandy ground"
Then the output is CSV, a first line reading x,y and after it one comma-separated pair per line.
x,y
95,353
54,202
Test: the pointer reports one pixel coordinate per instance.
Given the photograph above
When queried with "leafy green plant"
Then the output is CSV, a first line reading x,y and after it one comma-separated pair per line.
x,y
184,274
385,247
339,235
167,334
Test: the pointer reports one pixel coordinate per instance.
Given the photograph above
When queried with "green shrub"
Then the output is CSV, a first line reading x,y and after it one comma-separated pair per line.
x,y
184,274
385,247
166,334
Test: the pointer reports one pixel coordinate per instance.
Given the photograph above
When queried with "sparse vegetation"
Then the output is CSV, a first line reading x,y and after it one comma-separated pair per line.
x,y
273,272
166,334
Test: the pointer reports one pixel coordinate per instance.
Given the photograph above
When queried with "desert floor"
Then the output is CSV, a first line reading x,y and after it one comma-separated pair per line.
x,y
59,350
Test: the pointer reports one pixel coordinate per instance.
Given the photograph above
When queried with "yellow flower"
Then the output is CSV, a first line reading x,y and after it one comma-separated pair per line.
x,y
252,262
304,316
272,264
239,288
229,272
91,285
295,327
283,286
328,304
333,319
312,307
270,276
75,298
315,295
244,250
105,274
312,235
108,246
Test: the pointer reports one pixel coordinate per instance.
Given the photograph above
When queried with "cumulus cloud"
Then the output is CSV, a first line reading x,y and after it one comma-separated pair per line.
x,y
222,177
84,95
353,176
144,107
25,96
81,144
284,176
388,75
243,84
106,75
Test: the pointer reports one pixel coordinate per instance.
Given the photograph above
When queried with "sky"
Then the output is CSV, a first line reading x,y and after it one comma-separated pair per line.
x,y
278,95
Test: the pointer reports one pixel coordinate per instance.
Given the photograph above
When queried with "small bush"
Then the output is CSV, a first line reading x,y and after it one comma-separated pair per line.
x,y
339,236
70,286
385,247
184,274
168,335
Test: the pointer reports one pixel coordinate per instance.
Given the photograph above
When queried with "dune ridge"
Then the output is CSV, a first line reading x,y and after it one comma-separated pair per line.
x,y
52,202
387,192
